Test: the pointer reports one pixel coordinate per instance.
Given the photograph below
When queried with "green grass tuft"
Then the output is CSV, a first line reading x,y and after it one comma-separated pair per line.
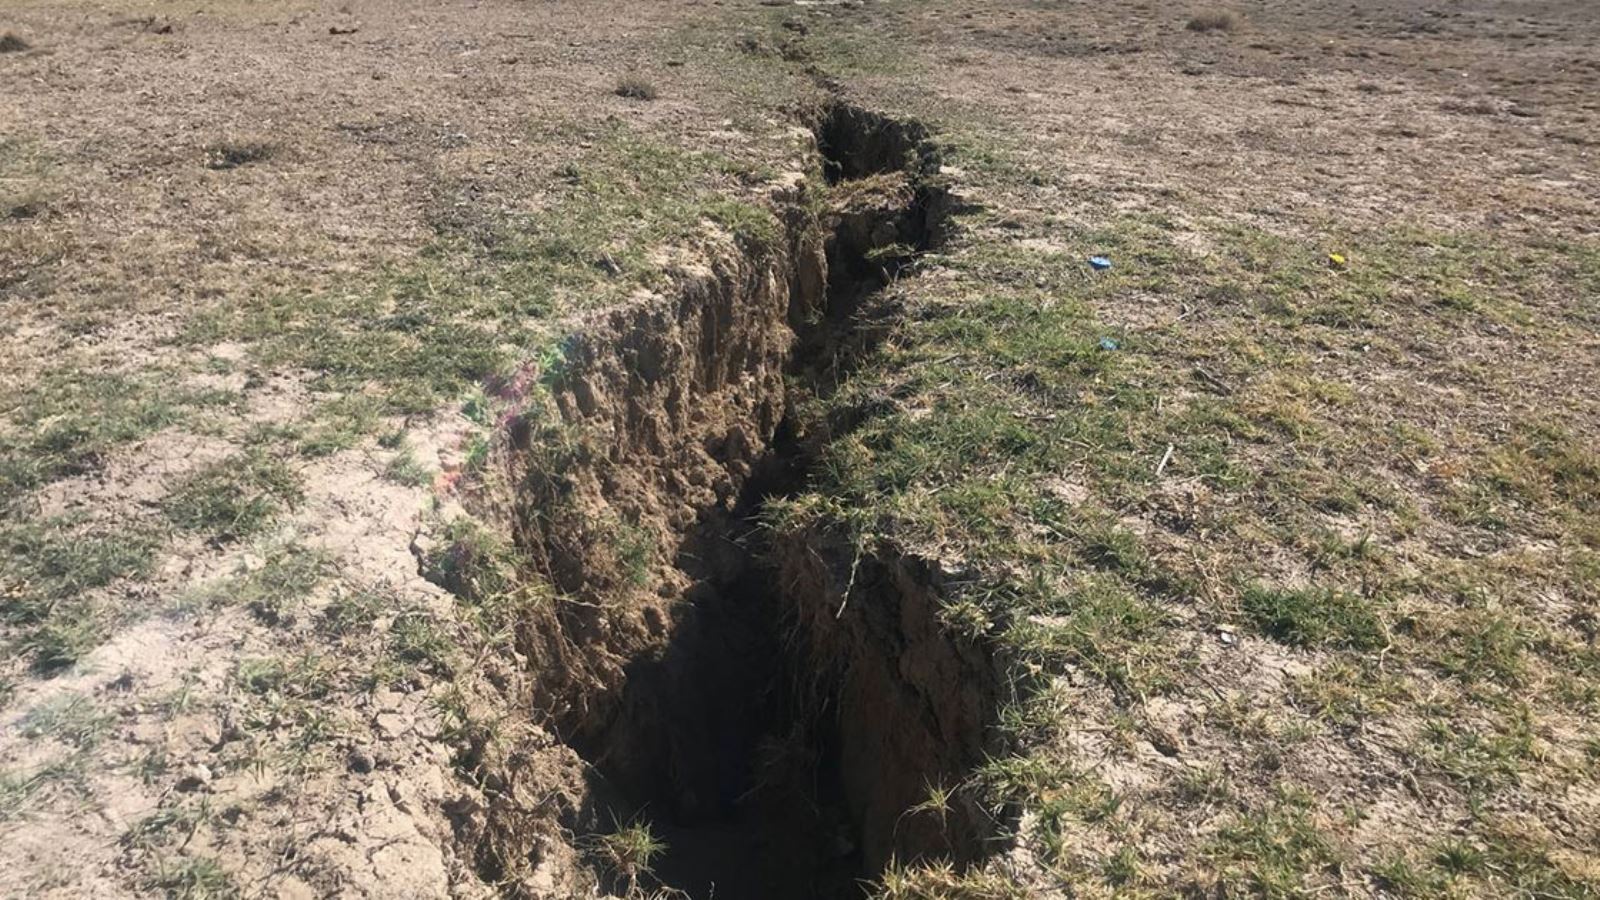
x,y
52,569
69,419
193,878
629,854
73,719
419,639
1276,851
234,498
1314,617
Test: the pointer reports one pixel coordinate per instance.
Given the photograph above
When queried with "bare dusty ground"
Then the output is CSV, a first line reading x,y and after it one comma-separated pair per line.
x,y
1308,480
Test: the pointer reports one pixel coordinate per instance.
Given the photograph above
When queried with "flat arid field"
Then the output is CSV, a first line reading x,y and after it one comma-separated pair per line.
x,y
734,449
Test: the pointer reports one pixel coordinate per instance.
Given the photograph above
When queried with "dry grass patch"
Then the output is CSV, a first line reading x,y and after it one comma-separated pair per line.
x,y
1215,20
636,87
231,154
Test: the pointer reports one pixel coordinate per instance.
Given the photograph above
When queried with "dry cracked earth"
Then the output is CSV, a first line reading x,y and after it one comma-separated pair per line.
x,y
549,448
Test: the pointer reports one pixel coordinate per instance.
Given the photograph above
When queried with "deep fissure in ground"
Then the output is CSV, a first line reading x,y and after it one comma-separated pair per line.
x,y
778,708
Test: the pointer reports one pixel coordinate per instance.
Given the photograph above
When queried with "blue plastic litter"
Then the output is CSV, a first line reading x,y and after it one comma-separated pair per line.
x,y
1109,344
1099,263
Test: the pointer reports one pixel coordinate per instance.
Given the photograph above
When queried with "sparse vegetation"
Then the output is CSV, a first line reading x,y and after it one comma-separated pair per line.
x,y
69,718
1312,618
272,590
404,468
419,640
352,612
66,421
50,608
22,205
939,880
635,551
25,789
1272,852
193,878
234,498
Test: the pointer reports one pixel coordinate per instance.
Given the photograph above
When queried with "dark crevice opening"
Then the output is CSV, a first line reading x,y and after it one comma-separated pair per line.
x,y
730,743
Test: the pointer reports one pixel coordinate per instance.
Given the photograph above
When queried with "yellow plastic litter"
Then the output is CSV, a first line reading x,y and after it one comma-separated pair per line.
x,y
1337,259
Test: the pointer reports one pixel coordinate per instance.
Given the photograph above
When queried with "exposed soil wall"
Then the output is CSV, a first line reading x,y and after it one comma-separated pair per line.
x,y
773,718
630,479
912,702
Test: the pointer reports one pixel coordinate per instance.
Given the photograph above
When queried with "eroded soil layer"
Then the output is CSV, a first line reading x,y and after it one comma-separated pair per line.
x,y
773,708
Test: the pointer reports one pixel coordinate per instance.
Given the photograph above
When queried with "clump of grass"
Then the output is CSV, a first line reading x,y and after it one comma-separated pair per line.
x,y
1314,617
636,87
193,878
69,419
635,549
1477,645
24,205
404,468
339,425
353,612
470,561
1106,629
285,578
418,639
11,42
1214,20
1275,851
1203,784
50,569
233,153
629,853
479,567
307,677
20,789
1122,867
66,637
159,828
50,561
1348,691
939,880
1479,759
1410,878
233,498
72,719
1456,855
1544,466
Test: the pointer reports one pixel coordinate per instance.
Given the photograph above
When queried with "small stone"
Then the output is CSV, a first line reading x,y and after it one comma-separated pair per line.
x,y
1165,742
390,725
194,778
360,761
